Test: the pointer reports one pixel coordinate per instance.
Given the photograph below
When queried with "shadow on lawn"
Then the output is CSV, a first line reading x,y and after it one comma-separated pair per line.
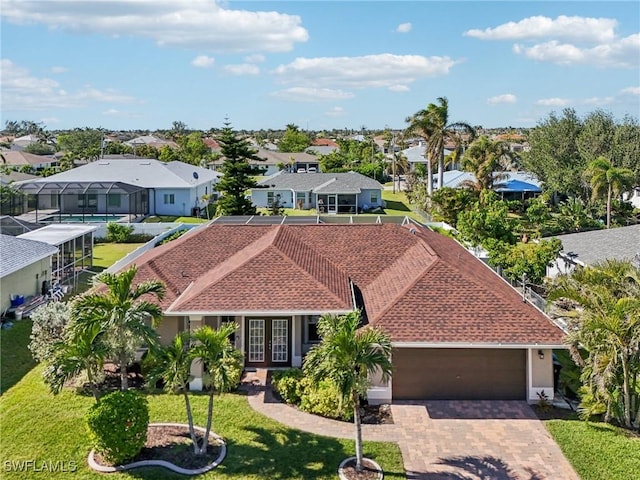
x,y
476,467
277,454
395,205
15,358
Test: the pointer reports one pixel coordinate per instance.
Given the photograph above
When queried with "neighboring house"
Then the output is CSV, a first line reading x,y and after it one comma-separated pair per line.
x,y
151,141
323,146
74,249
349,192
588,248
415,156
274,162
633,197
22,142
25,268
11,202
458,330
125,186
511,185
17,159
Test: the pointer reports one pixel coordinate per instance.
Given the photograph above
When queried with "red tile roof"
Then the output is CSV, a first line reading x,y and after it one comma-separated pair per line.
x,y
415,284
324,142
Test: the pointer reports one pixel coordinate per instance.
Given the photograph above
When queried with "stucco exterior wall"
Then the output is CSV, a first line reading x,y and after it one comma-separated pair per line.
x,y
540,374
27,282
169,328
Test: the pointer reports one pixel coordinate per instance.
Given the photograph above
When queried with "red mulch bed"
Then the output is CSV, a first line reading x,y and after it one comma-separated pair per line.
x,y
370,472
172,444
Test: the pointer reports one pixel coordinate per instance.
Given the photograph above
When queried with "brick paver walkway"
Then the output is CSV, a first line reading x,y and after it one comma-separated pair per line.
x,y
445,440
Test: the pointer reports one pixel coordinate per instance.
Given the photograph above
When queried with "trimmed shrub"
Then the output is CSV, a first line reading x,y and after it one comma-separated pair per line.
x,y
49,327
288,384
233,371
118,425
118,233
323,399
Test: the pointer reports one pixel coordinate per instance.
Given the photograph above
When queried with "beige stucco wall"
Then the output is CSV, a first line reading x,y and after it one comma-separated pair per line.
x,y
169,328
542,369
27,282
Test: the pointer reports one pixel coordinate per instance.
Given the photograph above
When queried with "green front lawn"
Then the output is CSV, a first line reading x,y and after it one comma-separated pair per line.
x,y
106,254
597,450
38,426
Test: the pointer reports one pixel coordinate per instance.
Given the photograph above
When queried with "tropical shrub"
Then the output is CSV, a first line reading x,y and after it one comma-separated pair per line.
x,y
49,326
118,425
288,384
323,399
119,233
173,236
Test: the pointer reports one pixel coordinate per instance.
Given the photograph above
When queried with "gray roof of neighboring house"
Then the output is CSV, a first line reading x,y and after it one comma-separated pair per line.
x,y
416,153
621,243
273,158
150,140
349,182
322,149
13,176
145,173
17,158
17,253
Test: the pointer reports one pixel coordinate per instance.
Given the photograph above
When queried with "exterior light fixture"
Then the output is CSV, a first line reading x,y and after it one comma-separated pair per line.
x,y
540,354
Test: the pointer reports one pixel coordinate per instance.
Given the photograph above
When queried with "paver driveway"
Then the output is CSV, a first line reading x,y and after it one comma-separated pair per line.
x,y
448,440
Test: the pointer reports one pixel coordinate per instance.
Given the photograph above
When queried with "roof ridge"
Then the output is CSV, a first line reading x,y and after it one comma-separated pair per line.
x,y
232,263
383,280
291,246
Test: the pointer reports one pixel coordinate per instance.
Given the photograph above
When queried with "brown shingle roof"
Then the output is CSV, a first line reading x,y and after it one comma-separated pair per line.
x,y
417,285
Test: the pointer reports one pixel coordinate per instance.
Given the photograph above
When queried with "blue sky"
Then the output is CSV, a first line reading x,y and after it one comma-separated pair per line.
x,y
318,64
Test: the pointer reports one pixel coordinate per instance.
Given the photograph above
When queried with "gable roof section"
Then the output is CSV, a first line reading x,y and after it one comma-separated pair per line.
x,y
18,253
415,284
349,182
19,158
588,248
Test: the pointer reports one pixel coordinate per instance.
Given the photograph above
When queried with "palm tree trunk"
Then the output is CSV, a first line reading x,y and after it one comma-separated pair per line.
x,y
358,424
93,386
440,168
625,392
636,423
205,440
609,207
124,378
192,432
429,177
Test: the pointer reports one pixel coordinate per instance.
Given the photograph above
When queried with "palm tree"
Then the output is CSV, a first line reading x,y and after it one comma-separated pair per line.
x,y
172,366
433,125
122,313
605,179
84,351
346,356
607,326
483,158
222,366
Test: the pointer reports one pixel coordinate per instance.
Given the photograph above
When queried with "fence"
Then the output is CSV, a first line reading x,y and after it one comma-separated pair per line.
x,y
152,229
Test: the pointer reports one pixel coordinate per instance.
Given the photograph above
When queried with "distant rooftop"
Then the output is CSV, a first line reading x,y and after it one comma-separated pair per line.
x,y
588,248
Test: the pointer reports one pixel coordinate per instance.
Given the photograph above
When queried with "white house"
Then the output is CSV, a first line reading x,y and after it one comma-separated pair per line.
x,y
349,192
125,186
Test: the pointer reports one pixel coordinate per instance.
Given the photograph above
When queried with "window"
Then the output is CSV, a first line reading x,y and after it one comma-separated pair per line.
x,y
169,199
270,198
113,200
374,197
311,329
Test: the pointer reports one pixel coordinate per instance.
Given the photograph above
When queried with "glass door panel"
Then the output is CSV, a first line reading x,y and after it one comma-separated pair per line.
x,y
256,340
279,340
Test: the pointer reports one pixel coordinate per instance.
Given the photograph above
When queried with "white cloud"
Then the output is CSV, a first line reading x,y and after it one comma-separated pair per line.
x,y
255,58
197,24
624,52
335,112
538,27
203,61
404,28
241,69
310,94
563,102
49,120
113,112
399,88
553,102
500,99
381,71
631,91
21,90
59,69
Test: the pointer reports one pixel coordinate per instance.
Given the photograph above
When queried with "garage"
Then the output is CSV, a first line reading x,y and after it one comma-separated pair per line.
x,y
459,374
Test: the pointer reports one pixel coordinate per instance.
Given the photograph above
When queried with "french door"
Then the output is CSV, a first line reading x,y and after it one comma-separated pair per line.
x,y
332,204
268,342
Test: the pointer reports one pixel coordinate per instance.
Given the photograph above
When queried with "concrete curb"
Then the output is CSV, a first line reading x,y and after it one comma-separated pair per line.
x,y
350,459
161,463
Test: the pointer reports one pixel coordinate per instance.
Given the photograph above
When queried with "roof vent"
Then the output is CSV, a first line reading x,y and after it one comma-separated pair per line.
x,y
145,163
103,163
412,230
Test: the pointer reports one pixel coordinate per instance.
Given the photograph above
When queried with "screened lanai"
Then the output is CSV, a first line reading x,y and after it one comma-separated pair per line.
x,y
56,201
